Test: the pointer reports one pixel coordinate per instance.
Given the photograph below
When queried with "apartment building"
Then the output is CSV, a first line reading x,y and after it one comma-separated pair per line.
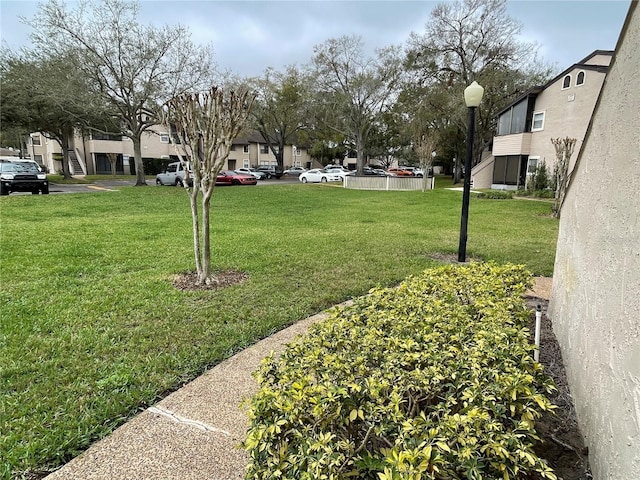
x,y
561,108
91,154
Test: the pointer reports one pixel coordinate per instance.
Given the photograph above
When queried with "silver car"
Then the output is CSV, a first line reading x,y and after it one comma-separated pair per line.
x,y
252,171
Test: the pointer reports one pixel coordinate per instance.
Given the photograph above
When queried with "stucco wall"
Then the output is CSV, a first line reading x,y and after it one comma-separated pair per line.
x,y
595,301
567,113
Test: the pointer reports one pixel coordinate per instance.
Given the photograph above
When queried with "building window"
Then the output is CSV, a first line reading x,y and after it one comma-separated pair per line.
x,y
538,121
566,82
509,170
233,148
264,148
245,163
245,148
532,164
38,160
164,138
35,140
105,136
580,78
513,120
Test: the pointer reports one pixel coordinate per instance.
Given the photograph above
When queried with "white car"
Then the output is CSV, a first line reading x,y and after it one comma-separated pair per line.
x,y
252,171
318,175
341,171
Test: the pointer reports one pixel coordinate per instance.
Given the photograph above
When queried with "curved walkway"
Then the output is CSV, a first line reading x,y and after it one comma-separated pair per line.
x,y
194,433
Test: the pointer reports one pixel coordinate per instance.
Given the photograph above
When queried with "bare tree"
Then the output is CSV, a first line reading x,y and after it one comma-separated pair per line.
x,y
135,68
424,146
206,123
355,89
564,149
280,110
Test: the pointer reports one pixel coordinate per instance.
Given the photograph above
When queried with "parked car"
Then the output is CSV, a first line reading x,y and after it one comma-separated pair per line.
x,y
342,171
295,171
229,177
378,172
399,172
316,175
417,172
175,174
252,171
271,171
22,175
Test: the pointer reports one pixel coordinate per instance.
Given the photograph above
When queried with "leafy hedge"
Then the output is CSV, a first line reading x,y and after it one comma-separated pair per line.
x,y
495,195
433,379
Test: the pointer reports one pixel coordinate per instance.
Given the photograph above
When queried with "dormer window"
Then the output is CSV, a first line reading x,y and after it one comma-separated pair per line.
x,y
580,78
566,82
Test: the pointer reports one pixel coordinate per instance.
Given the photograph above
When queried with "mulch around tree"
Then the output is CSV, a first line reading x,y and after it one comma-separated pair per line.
x,y
189,281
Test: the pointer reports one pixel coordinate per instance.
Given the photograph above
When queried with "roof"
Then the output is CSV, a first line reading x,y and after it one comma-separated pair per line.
x,y
247,138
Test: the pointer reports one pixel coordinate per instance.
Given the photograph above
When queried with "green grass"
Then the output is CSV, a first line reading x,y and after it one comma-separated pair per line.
x,y
92,329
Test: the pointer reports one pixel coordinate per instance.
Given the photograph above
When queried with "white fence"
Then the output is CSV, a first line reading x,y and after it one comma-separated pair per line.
x,y
388,183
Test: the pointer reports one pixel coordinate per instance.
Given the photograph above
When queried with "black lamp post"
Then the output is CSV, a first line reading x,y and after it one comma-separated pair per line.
x,y
472,98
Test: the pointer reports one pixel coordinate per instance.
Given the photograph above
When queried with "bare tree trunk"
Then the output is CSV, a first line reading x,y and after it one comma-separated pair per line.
x,y
64,145
205,267
113,160
137,159
564,149
360,153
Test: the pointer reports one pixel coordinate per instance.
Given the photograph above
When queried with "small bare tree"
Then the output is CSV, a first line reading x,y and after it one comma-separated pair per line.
x,y
424,147
564,149
206,124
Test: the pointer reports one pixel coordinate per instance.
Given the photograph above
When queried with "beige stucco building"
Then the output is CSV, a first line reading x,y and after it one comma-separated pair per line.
x,y
595,301
89,153
561,108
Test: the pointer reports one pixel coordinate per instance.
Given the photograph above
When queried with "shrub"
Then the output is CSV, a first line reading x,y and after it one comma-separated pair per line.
x,y
433,379
539,180
495,194
544,194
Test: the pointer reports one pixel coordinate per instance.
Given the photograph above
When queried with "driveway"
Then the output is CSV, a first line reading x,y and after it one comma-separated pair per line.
x,y
112,185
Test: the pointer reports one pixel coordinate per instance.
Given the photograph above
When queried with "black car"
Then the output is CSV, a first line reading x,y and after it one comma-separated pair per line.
x,y
21,175
271,171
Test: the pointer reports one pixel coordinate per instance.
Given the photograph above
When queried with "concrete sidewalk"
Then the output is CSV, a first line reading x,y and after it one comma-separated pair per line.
x,y
194,433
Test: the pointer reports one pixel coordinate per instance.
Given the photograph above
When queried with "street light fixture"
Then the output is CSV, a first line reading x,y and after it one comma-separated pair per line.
x,y
472,98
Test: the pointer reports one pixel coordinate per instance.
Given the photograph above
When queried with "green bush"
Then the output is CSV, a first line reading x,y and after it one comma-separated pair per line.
x,y
544,194
495,194
433,379
539,180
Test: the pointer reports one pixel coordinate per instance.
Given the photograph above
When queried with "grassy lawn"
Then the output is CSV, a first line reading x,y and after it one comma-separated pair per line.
x,y
92,330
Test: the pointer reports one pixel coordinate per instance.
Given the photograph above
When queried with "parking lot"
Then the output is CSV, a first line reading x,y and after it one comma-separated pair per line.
x,y
108,185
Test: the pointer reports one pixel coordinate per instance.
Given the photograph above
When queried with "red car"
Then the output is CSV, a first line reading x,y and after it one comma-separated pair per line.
x,y
400,172
229,177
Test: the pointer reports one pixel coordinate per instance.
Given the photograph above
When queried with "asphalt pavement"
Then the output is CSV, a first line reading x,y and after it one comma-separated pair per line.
x,y
112,185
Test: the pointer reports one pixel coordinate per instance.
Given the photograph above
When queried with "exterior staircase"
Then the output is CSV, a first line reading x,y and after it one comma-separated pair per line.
x,y
74,163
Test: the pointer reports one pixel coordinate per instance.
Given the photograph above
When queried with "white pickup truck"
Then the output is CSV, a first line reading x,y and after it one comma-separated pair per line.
x,y
175,174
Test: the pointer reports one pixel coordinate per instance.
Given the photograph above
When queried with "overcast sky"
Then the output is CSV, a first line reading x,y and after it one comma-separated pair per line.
x,y
249,36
